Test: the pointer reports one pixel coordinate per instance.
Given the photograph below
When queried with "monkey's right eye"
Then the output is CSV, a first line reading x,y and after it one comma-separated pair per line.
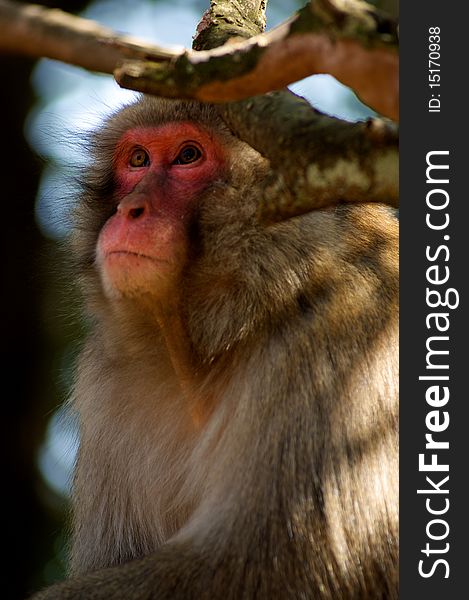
x,y
139,158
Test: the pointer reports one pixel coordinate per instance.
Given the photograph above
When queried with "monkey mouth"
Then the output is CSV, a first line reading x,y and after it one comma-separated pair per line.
x,y
133,253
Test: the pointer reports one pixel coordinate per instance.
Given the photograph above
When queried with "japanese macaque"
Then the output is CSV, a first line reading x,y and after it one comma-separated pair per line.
x,y
237,394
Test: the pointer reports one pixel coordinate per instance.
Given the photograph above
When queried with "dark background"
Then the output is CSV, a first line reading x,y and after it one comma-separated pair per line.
x,y
33,516
422,132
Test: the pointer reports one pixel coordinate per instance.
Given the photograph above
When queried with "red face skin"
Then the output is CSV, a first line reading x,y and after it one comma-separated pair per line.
x,y
142,248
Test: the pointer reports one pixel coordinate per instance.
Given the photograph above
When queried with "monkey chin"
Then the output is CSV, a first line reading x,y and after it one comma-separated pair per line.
x,y
131,275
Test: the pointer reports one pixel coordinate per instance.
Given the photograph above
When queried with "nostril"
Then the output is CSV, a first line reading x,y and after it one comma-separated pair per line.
x,y
135,213
133,207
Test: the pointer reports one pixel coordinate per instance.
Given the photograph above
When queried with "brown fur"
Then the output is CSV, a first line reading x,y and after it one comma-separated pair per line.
x,y
272,471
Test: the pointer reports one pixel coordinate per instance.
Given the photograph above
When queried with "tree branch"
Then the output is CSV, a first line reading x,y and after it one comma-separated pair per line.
x,y
316,160
228,19
43,32
345,38
320,160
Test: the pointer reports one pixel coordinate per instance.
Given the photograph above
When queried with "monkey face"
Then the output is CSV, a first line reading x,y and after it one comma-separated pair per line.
x,y
169,193
160,173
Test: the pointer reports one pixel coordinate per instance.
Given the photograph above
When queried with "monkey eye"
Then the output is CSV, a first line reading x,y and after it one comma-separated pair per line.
x,y
139,158
187,155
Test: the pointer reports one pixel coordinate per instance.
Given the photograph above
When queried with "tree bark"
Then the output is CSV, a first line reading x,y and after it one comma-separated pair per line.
x,y
317,160
348,40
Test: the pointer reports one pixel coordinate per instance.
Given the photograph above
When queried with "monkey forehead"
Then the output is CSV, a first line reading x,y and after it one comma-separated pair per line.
x,y
150,111
153,112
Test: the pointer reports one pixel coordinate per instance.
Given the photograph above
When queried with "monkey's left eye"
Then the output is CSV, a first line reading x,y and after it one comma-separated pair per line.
x,y
187,155
139,158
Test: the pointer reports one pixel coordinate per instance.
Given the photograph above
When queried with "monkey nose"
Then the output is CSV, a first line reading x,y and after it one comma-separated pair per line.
x,y
132,208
